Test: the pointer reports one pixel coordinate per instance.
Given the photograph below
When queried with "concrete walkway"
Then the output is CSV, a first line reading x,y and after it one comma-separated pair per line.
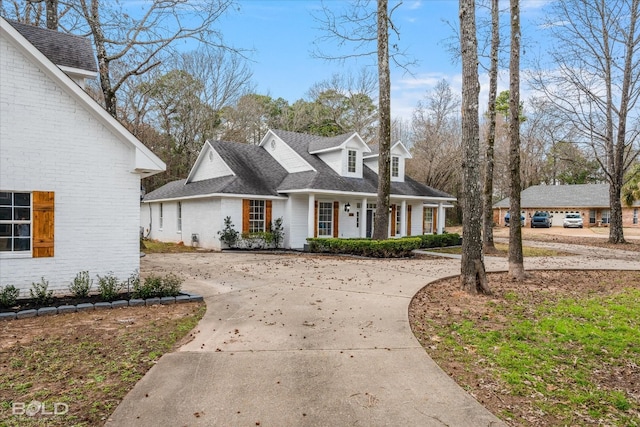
x,y
299,340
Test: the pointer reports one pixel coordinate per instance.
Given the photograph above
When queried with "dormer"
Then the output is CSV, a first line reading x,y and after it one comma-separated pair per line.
x,y
399,154
291,161
344,153
208,165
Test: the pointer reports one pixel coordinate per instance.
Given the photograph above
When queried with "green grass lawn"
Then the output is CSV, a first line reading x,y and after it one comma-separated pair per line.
x,y
503,249
576,355
156,247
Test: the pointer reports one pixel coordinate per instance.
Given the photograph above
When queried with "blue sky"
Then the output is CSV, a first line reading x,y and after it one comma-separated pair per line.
x,y
282,33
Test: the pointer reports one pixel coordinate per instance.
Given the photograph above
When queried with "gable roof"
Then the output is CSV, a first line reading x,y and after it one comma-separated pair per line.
x,y
64,50
258,173
146,162
562,196
255,173
319,144
375,150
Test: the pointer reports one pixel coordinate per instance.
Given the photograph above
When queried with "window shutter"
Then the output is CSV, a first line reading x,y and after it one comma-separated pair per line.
x,y
315,219
336,214
434,223
409,220
43,224
267,225
245,215
393,220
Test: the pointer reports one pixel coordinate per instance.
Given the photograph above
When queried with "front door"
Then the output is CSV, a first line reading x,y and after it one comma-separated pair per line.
x,y
370,217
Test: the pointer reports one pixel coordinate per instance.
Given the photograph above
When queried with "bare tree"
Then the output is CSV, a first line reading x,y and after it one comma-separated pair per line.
x,y
363,26
473,278
595,83
487,223
516,263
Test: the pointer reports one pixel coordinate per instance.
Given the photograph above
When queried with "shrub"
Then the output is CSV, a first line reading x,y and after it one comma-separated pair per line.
x,y
109,287
277,233
9,296
439,240
156,286
133,281
390,248
40,292
228,235
171,285
81,285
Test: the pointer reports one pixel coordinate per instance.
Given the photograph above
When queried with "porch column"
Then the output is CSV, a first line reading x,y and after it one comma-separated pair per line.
x,y
363,218
440,225
403,218
311,215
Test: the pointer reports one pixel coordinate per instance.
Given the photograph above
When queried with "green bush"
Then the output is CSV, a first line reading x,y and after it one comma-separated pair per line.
x,y
40,292
228,235
156,286
9,296
277,233
390,248
81,285
109,287
439,240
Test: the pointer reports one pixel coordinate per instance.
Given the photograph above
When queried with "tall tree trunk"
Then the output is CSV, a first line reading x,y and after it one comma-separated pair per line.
x,y
381,224
516,264
487,235
473,278
52,14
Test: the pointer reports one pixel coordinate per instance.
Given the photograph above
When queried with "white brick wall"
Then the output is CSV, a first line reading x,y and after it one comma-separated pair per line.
x,y
50,142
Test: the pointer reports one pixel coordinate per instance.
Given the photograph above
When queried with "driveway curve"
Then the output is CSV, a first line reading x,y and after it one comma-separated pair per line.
x,y
301,340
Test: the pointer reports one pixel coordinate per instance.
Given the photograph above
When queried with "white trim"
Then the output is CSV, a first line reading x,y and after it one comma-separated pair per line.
x,y
360,194
264,140
79,72
343,144
206,196
201,155
146,163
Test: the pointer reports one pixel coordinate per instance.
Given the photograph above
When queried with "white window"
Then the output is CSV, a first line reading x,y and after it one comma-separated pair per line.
x,y
179,215
351,161
395,166
606,214
256,216
325,219
398,217
428,221
15,222
635,216
161,216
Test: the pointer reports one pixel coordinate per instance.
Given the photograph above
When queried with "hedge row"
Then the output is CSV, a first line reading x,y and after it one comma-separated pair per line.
x,y
391,248
439,240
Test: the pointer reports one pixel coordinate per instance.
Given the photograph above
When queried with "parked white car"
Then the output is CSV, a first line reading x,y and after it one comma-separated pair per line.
x,y
572,220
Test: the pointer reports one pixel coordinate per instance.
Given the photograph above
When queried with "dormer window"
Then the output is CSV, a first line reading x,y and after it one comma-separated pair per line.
x,y
395,166
351,161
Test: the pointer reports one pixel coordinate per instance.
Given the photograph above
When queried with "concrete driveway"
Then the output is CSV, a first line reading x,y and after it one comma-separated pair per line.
x,y
299,340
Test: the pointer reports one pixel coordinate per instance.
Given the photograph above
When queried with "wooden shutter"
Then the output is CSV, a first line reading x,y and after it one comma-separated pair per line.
x,y
315,219
393,220
434,223
245,215
336,214
267,217
43,225
409,220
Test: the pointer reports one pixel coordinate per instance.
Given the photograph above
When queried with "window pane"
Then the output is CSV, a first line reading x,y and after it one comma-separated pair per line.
x,y
22,199
5,198
5,214
21,214
22,244
5,230
22,230
5,244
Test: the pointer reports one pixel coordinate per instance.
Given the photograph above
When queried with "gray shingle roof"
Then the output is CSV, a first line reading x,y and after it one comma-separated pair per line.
x,y
258,173
62,49
562,196
318,143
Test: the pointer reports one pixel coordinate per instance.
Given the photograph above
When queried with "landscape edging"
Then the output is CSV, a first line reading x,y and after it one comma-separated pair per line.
x,y
134,302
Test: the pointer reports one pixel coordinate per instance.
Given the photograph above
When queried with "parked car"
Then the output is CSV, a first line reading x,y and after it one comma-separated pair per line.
x,y
541,219
572,220
508,216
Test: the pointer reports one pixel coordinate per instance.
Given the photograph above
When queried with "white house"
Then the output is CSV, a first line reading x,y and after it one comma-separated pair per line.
x,y
319,186
69,172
